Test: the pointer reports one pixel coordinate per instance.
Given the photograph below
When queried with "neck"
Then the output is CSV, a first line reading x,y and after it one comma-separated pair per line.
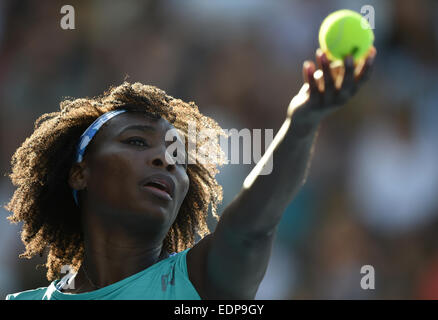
x,y
112,253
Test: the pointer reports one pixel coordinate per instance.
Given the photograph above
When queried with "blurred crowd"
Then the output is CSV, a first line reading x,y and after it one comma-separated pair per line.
x,y
371,195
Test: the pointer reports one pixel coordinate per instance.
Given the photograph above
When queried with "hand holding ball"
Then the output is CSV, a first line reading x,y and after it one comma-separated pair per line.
x,y
343,33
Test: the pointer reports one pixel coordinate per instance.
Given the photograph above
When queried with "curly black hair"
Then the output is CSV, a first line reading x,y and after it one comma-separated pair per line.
x,y
43,199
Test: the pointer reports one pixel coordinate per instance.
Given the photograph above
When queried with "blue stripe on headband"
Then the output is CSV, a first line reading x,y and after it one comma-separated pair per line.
x,y
88,134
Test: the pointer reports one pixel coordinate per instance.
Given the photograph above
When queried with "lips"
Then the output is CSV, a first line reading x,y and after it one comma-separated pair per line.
x,y
160,182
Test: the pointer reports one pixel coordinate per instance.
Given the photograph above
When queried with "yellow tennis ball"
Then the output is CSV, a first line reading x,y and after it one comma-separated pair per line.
x,y
345,32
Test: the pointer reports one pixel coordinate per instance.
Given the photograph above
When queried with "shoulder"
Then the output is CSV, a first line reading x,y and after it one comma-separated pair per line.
x,y
35,294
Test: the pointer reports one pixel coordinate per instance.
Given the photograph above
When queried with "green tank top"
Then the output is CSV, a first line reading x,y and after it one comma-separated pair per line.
x,y
165,280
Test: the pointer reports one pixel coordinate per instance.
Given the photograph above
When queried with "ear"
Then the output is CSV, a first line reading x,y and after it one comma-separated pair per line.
x,y
78,175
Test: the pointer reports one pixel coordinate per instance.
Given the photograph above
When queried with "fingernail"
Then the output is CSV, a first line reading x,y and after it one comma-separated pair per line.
x,y
319,52
324,58
372,53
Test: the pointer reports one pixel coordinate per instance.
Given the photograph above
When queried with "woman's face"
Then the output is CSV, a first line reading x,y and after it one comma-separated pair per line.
x,y
129,179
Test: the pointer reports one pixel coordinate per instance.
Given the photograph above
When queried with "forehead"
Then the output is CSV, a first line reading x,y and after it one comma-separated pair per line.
x,y
122,122
128,119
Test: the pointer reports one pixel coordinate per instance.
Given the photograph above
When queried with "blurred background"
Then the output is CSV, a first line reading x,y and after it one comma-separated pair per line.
x,y
371,196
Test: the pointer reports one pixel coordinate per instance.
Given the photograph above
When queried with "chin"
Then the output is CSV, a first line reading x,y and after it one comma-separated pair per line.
x,y
153,211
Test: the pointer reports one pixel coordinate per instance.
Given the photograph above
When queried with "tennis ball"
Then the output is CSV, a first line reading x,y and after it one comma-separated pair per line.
x,y
345,32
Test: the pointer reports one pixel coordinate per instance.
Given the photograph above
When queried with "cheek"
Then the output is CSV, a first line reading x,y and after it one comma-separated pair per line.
x,y
182,190
112,177
184,183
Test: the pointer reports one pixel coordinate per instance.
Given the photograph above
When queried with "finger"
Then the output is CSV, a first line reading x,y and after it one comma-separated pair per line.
x,y
324,65
337,73
349,86
319,80
308,71
348,83
372,52
367,66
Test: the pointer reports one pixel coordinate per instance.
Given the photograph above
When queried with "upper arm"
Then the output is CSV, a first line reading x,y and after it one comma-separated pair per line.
x,y
228,265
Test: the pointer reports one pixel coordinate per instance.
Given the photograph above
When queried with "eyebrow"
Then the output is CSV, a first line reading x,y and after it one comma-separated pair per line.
x,y
139,127
143,127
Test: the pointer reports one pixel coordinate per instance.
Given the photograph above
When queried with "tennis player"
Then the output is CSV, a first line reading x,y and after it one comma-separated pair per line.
x,y
98,190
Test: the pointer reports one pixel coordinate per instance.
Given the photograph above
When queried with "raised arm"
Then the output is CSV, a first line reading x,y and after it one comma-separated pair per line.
x,y
235,257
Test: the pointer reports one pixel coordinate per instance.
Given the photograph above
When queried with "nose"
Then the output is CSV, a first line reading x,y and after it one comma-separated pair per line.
x,y
162,159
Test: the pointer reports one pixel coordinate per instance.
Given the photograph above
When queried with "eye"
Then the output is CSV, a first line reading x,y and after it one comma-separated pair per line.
x,y
137,141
